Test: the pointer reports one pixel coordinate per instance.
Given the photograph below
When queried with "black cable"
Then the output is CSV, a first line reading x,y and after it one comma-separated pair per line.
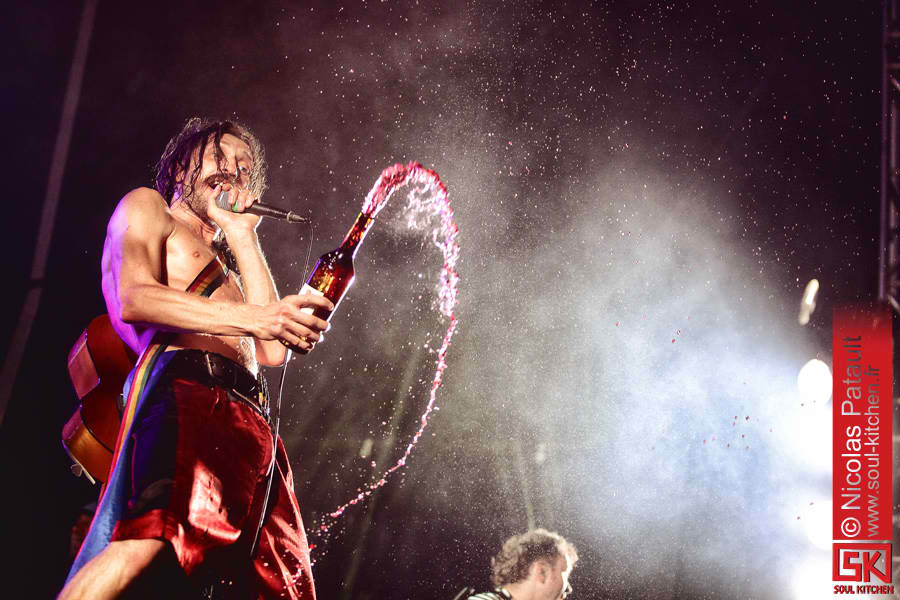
x,y
277,420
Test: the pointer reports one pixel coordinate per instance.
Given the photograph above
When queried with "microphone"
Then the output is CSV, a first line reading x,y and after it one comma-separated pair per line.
x,y
262,210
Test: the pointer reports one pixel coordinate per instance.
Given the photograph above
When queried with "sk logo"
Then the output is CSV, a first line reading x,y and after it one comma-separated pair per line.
x,y
859,562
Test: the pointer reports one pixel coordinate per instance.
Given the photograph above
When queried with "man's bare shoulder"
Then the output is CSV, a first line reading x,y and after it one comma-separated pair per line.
x,y
142,210
143,201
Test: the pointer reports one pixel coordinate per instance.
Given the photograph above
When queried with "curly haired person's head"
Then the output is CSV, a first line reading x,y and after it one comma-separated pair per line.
x,y
179,165
519,552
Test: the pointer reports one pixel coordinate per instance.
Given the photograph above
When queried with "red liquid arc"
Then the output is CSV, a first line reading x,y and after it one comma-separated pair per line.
x,y
333,275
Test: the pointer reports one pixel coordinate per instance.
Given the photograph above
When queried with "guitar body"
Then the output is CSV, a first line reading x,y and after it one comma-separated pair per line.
x,y
99,363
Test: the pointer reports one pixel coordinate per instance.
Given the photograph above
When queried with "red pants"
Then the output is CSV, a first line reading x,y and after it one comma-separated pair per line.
x,y
199,474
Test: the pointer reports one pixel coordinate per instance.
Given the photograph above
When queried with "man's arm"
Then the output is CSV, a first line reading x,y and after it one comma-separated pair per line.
x,y
136,239
258,287
256,279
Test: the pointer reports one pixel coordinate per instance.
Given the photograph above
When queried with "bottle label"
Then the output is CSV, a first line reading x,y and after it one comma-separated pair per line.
x,y
308,289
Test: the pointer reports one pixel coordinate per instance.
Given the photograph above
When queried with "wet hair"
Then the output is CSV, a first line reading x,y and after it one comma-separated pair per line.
x,y
172,168
521,551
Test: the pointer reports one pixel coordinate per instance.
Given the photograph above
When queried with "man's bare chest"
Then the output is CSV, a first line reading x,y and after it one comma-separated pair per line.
x,y
186,255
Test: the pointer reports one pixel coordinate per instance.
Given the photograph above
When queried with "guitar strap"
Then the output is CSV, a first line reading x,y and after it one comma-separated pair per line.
x,y
146,372
207,281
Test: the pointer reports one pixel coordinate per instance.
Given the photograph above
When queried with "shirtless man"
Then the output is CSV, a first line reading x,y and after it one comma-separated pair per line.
x,y
201,445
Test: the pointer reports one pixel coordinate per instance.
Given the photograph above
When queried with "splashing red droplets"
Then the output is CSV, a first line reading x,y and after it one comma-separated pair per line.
x,y
427,201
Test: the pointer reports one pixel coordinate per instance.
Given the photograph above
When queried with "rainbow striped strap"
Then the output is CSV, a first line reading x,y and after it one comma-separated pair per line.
x,y
210,278
205,283
152,362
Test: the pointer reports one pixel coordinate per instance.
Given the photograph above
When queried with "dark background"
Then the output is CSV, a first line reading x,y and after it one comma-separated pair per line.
x,y
621,173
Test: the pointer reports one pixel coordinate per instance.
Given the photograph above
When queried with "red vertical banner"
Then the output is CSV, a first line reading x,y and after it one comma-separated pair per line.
x,y
863,419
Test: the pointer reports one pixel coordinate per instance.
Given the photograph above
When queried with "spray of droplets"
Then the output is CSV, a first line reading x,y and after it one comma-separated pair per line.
x,y
427,203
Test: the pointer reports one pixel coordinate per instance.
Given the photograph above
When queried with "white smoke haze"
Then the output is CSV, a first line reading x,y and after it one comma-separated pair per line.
x,y
637,342
642,191
613,309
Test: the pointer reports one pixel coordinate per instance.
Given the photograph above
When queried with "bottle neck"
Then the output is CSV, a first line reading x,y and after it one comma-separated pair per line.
x,y
356,234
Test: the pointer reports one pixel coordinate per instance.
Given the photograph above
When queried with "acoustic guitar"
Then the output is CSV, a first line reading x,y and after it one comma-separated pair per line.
x,y
99,363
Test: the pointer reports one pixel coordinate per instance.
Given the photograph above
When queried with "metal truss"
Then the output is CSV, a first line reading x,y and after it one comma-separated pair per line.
x,y
889,260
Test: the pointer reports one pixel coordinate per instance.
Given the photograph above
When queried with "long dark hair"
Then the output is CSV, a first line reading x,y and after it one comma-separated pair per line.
x,y
172,168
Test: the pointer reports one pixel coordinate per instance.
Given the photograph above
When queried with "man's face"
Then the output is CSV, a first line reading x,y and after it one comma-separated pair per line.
x,y
234,166
556,586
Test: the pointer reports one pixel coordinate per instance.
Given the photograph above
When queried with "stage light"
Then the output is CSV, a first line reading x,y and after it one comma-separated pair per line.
x,y
814,382
540,453
808,302
817,522
808,436
366,449
812,579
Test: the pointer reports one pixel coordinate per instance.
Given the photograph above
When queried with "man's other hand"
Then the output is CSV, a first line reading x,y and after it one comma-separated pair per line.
x,y
287,322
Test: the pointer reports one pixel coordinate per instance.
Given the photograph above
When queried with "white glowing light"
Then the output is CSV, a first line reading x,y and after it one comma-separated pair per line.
x,y
817,522
809,436
366,449
540,453
808,302
812,579
814,382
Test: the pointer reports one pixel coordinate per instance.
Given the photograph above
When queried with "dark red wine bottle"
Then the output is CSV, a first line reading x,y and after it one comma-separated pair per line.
x,y
333,273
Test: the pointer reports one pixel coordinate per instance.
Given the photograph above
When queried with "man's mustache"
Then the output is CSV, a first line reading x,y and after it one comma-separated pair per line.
x,y
217,178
